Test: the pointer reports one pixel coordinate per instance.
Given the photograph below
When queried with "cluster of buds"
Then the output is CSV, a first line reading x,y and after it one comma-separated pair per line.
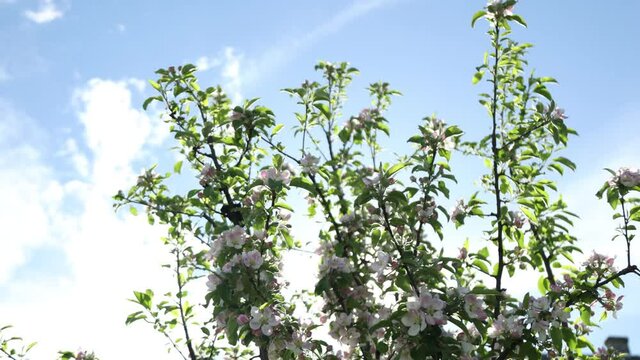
x,y
600,264
497,9
207,174
147,179
459,210
427,213
517,219
610,302
366,116
309,164
565,285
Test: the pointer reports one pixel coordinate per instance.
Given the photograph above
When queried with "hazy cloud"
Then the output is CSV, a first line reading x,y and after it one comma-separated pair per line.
x,y
46,12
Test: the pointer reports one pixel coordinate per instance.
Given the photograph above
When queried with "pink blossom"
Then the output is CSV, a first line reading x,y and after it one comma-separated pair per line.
x,y
459,210
273,174
242,319
414,319
213,281
309,164
264,320
506,326
252,259
207,175
474,307
381,262
627,177
228,267
236,237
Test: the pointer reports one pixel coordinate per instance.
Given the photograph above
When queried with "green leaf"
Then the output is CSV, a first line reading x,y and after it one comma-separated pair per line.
x,y
322,286
477,77
303,183
138,315
232,330
155,85
477,16
177,167
148,101
276,129
542,90
324,109
395,168
556,338
570,338
543,285
566,162
481,265
518,19
133,210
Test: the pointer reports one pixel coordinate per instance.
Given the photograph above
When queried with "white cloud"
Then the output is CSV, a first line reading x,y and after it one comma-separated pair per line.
x,y
108,255
231,74
231,66
78,159
205,63
46,12
23,176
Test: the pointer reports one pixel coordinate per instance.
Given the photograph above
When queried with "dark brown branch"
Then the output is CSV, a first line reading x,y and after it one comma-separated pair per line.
x,y
192,353
496,174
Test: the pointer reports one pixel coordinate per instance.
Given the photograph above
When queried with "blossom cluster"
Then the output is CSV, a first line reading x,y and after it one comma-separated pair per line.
x,y
275,175
435,133
309,164
627,177
422,310
366,117
207,175
599,264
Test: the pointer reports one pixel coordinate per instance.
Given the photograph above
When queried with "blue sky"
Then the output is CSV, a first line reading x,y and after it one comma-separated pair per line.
x,y
72,132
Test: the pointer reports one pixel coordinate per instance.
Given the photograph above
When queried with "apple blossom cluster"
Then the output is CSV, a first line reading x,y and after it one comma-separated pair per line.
x,y
517,219
559,114
422,310
459,210
498,9
626,177
539,316
309,164
543,314
435,134
366,117
428,212
276,175
600,265
263,321
565,285
207,175
610,302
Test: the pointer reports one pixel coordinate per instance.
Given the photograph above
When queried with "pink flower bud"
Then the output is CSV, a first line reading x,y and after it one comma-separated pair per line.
x,y
242,319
